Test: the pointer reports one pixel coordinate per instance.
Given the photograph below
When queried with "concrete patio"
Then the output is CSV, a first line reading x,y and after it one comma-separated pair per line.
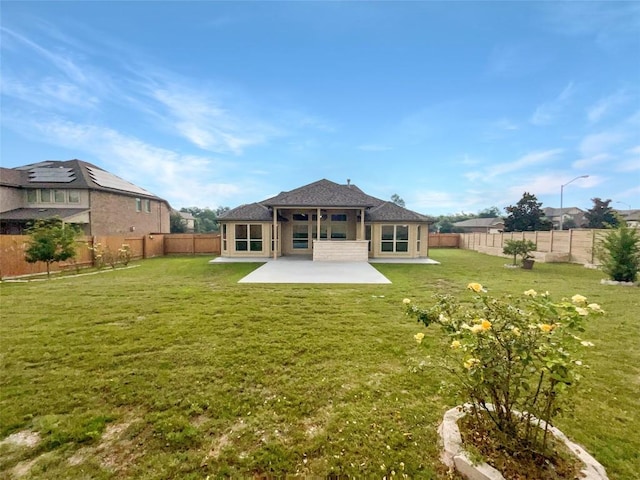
x,y
303,270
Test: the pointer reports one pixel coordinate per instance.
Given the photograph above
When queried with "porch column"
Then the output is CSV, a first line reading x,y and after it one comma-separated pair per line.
x,y
275,233
362,235
318,217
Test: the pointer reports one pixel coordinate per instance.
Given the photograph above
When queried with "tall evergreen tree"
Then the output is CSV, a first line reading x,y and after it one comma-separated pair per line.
x,y
601,215
526,216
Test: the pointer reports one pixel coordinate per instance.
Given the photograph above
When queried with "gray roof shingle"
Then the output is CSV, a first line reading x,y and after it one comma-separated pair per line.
x,y
325,194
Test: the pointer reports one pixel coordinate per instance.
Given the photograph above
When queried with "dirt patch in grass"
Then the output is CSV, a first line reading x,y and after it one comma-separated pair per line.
x,y
24,438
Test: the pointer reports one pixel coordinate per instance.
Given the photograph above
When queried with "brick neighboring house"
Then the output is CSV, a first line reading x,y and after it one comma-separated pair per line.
x,y
481,225
328,221
568,213
631,217
80,193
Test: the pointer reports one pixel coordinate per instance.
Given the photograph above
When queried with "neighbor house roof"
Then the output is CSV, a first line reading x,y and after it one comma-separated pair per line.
x,y
480,222
556,212
72,174
41,213
325,194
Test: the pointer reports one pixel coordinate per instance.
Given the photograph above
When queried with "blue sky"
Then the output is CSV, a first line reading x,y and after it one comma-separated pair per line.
x,y
455,106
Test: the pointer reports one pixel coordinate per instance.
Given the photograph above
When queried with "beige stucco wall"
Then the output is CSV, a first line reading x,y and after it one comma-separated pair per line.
x,y
10,198
286,241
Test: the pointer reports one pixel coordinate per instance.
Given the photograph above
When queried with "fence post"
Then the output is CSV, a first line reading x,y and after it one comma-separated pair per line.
x,y
570,243
551,241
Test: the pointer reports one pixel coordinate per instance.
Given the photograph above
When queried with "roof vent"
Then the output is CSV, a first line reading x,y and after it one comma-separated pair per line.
x,y
348,182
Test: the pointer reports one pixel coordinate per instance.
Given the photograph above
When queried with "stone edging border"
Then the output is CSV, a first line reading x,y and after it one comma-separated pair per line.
x,y
455,457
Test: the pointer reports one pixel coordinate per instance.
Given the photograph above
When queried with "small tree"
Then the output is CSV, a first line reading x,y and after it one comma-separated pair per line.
x,y
51,241
523,248
177,224
619,253
526,216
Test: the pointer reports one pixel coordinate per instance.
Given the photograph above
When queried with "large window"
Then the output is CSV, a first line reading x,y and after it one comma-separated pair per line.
x,y
59,196
138,204
301,236
248,237
395,238
74,196
147,205
45,195
32,196
224,237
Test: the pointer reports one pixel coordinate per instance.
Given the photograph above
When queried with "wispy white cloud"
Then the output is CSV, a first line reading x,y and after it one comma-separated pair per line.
x,y
605,105
548,112
549,184
533,159
181,178
592,161
600,143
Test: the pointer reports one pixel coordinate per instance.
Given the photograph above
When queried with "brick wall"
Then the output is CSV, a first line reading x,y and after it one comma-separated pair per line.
x,y
114,214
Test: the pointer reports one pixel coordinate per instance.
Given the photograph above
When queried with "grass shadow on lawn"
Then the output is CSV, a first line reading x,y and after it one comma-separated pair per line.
x,y
174,369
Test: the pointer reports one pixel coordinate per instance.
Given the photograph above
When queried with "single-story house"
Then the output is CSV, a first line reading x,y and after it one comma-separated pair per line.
x,y
327,221
78,193
481,225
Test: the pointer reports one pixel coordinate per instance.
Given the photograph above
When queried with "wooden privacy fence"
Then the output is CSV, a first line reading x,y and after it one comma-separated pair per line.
x,y
577,246
12,249
444,240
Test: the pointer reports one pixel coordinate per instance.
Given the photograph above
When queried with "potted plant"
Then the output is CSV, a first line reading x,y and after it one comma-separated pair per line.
x,y
522,248
515,361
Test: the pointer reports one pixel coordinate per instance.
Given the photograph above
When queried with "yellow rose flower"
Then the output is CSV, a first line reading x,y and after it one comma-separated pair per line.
x,y
595,307
406,301
455,344
472,362
419,337
476,287
486,324
531,293
578,299
545,327
582,311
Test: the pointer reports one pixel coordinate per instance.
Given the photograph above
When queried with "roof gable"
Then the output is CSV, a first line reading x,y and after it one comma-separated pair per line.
x,y
323,193
390,212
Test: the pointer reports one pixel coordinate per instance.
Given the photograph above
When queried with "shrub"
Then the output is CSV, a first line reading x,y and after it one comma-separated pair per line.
x,y
516,353
522,248
619,253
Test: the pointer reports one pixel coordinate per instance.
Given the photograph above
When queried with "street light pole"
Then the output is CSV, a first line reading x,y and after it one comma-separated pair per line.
x,y
561,194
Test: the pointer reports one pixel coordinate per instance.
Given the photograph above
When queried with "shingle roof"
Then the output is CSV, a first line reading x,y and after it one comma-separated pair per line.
x,y
76,174
390,212
249,212
323,193
480,222
38,213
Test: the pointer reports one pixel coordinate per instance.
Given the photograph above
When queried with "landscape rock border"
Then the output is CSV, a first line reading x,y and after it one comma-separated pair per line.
x,y
454,456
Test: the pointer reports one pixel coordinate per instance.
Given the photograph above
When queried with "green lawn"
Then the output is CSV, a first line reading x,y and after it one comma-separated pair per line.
x,y
174,370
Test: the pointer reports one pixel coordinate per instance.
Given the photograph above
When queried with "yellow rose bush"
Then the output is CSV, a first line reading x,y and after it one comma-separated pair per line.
x,y
520,353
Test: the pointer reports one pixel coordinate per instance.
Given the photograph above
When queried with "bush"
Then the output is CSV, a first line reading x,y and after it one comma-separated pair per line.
x,y
522,248
516,353
619,253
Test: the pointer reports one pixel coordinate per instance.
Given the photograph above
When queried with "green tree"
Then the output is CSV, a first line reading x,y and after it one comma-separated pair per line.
x,y
395,198
490,212
50,241
619,253
526,216
206,219
601,215
177,223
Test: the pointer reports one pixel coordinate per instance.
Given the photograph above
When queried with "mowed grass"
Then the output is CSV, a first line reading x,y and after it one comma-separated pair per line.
x,y
174,370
